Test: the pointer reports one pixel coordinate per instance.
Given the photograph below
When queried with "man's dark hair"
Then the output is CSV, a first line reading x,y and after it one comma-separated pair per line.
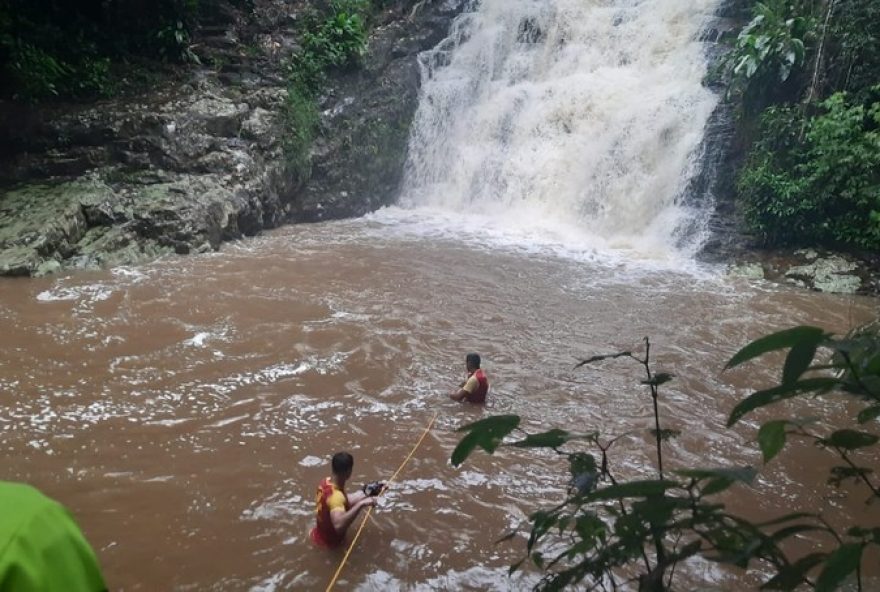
x,y
343,462
472,360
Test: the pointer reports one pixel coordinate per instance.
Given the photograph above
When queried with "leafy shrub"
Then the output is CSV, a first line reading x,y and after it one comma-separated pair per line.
x,y
91,77
332,41
50,48
173,41
614,534
853,62
301,119
816,180
768,49
335,41
35,73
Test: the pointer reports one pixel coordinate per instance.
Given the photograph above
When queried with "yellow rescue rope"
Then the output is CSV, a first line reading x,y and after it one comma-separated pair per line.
x,y
370,509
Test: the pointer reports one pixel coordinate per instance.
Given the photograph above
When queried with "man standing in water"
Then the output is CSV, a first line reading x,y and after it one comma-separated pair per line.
x,y
335,510
476,386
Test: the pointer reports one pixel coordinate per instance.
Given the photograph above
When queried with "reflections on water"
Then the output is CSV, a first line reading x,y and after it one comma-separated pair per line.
x,y
186,410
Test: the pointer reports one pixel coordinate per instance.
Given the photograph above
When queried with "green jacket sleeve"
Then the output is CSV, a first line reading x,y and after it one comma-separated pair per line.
x,y
41,547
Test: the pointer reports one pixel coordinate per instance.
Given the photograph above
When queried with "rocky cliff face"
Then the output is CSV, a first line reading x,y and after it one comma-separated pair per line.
x,y
366,117
199,161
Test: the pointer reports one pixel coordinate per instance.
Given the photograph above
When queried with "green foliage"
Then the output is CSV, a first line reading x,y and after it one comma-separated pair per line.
x,y
810,177
853,61
855,367
486,434
34,72
608,533
331,41
775,341
69,49
301,120
336,40
849,440
93,78
769,48
173,41
844,561
824,189
771,438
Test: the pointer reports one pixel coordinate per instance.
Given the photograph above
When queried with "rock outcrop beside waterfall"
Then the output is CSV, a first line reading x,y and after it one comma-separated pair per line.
x,y
199,160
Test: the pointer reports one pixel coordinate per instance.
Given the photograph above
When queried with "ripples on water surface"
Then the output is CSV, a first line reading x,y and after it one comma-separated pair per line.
x,y
185,410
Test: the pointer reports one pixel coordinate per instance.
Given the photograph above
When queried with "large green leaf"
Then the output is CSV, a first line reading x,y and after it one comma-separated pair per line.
x,y
590,528
658,379
866,415
716,485
785,518
541,522
655,509
599,358
798,360
771,438
838,566
486,433
778,393
789,531
791,576
776,341
742,474
632,489
840,474
581,462
719,479
850,439
552,439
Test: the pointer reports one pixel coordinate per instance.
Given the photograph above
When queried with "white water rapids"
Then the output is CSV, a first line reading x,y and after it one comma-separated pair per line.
x,y
576,122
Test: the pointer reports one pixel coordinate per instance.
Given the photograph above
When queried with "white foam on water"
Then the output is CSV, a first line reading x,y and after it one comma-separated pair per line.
x,y
199,339
271,583
88,293
228,421
169,422
132,274
546,241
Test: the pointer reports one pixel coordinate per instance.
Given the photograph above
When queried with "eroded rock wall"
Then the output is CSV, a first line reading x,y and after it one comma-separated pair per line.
x,y
198,159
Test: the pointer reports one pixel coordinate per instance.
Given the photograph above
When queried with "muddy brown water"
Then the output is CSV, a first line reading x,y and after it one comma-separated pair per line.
x,y
185,410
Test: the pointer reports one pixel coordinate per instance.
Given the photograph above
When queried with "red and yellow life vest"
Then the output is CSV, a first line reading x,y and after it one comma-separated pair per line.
x,y
479,395
324,533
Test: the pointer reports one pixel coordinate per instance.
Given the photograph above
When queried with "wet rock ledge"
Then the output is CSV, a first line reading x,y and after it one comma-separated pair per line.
x,y
812,269
199,160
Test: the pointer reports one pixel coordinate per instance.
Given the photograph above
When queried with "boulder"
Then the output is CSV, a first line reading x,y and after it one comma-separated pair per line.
x,y
827,274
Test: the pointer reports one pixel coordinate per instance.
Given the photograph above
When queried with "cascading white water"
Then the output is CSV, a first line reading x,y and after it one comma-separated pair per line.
x,y
582,118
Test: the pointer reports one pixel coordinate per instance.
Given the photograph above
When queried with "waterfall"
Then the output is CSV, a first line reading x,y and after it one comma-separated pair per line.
x,y
580,117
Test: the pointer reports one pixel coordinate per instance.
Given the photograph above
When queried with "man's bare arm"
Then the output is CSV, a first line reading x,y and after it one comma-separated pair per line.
x,y
342,519
459,395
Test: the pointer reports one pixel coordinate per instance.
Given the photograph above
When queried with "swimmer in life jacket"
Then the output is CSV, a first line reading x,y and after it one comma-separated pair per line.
x,y
476,387
334,509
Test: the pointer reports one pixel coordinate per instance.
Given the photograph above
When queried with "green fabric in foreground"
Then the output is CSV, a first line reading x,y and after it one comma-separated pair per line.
x,y
41,547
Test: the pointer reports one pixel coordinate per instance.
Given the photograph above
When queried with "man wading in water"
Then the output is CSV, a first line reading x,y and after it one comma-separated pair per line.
x,y
335,511
476,386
